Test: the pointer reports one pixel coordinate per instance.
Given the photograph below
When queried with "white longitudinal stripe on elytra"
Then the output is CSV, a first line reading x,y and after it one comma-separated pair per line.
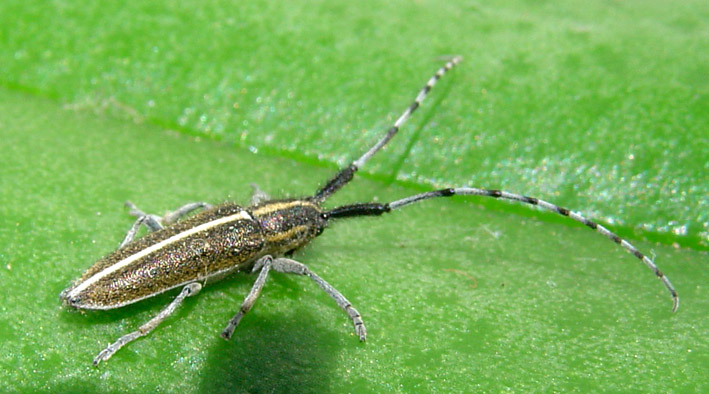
x,y
242,215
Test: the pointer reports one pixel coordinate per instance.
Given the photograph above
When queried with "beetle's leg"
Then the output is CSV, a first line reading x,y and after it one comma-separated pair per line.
x,y
289,266
263,264
152,222
189,290
259,195
130,235
179,213
155,222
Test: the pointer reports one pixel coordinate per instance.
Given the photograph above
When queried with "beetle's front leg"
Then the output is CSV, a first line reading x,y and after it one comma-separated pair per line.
x,y
289,266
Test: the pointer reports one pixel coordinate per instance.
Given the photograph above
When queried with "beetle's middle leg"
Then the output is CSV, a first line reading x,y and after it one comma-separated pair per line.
x,y
189,290
263,264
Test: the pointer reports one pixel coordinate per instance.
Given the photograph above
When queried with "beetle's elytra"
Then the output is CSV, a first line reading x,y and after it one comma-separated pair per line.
x,y
188,253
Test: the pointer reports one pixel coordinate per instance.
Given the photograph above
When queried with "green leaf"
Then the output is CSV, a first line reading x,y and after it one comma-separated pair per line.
x,y
600,108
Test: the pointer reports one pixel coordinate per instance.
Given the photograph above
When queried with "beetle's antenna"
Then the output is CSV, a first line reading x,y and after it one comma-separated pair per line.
x,y
375,209
346,175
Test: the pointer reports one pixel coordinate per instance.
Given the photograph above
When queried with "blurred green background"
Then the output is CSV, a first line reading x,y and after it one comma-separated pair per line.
x,y
600,107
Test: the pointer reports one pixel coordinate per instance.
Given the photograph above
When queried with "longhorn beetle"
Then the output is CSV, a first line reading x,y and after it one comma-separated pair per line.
x,y
228,238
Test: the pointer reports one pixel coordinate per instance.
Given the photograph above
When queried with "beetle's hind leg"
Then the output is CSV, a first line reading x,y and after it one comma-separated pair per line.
x,y
155,222
189,290
179,213
152,222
